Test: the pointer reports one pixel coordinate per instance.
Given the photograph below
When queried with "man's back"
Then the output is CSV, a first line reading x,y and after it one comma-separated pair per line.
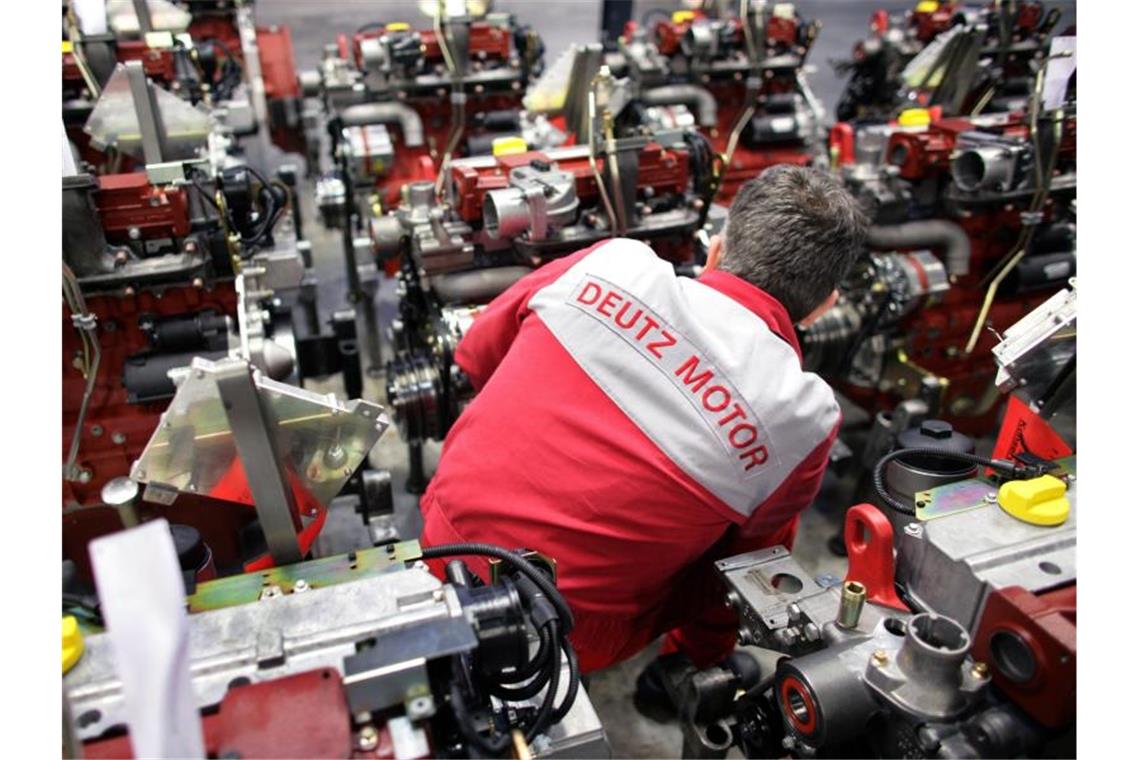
x,y
627,420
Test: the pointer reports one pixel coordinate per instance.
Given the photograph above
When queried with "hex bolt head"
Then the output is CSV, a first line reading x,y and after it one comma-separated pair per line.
x,y
879,658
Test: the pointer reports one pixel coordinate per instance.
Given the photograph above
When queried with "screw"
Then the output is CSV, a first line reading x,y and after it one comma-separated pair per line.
x,y
879,658
980,671
300,586
368,739
990,498
118,438
914,530
96,430
134,233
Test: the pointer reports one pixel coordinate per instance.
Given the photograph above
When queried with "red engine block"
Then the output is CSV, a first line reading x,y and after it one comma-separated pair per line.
x,y
419,164
116,431
783,34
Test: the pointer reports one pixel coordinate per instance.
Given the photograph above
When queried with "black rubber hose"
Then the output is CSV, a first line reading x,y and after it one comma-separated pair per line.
x,y
1001,465
545,711
565,617
572,685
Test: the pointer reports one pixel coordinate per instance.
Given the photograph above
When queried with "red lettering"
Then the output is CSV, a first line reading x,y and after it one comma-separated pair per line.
x,y
669,340
688,367
610,300
721,391
626,325
594,296
649,325
756,456
751,429
737,411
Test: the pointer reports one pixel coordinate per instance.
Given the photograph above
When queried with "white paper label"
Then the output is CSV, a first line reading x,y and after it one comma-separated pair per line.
x,y
143,602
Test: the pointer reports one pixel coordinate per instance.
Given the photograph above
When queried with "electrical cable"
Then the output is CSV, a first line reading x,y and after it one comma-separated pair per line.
x,y
441,551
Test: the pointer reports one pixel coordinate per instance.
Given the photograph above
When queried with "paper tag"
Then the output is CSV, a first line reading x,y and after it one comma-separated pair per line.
x,y
92,15
1058,71
142,598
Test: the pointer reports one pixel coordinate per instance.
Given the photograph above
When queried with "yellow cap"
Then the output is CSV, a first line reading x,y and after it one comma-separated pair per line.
x,y
72,642
914,117
680,17
397,26
1040,501
926,6
508,146
67,48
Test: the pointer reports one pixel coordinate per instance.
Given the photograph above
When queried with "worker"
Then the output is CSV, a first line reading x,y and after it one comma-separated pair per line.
x,y
636,426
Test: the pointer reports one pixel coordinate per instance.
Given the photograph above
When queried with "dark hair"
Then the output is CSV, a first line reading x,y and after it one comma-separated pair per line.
x,y
794,233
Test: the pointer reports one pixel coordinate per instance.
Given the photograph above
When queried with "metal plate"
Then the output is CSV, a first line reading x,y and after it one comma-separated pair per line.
x,y
319,573
322,438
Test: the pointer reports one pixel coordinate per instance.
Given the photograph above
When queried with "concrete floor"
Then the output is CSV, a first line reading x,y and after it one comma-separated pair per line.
x,y
315,24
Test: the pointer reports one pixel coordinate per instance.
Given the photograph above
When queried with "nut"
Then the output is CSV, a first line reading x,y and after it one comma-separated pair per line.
x,y
980,670
368,739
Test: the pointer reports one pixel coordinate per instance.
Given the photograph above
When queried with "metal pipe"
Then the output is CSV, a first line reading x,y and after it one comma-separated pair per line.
x,y
938,233
685,94
410,123
477,286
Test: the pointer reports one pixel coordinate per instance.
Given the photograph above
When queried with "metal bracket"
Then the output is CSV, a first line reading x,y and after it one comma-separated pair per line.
x,y
252,424
151,128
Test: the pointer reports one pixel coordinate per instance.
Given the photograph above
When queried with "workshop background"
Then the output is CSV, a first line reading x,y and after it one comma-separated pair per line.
x,y
560,23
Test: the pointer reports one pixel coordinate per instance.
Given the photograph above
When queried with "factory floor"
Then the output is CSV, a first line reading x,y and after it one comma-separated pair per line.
x,y
315,24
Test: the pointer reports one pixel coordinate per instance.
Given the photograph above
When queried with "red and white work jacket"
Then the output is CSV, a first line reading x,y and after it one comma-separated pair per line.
x,y
635,426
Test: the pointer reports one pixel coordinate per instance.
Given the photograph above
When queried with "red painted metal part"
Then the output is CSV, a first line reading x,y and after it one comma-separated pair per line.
x,y
663,169
1047,626
127,201
870,554
303,715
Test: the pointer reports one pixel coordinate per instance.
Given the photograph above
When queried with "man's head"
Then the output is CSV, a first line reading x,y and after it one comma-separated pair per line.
x,y
794,233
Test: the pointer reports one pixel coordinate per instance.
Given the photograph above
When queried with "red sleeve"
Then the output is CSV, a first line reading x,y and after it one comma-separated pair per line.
x,y
711,634
491,334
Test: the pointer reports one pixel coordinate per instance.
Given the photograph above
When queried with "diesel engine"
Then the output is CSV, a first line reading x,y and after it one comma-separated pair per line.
x,y
962,57
973,227
739,79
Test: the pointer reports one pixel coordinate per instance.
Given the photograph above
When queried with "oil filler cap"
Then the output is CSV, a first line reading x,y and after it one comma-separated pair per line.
x,y
914,117
72,642
1039,501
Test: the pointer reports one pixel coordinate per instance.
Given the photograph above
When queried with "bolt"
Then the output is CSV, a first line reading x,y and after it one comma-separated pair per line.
x,y
300,586
879,658
368,739
190,246
990,498
980,671
198,282
118,438
437,595
134,233
121,257
96,430
914,530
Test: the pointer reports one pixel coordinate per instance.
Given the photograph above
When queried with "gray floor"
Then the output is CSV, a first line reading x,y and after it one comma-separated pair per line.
x,y
315,24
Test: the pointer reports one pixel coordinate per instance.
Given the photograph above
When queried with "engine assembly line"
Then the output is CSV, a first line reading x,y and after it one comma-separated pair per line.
x,y
421,370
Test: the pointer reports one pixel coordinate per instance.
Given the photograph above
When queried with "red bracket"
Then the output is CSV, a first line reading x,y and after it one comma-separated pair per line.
x,y
871,554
